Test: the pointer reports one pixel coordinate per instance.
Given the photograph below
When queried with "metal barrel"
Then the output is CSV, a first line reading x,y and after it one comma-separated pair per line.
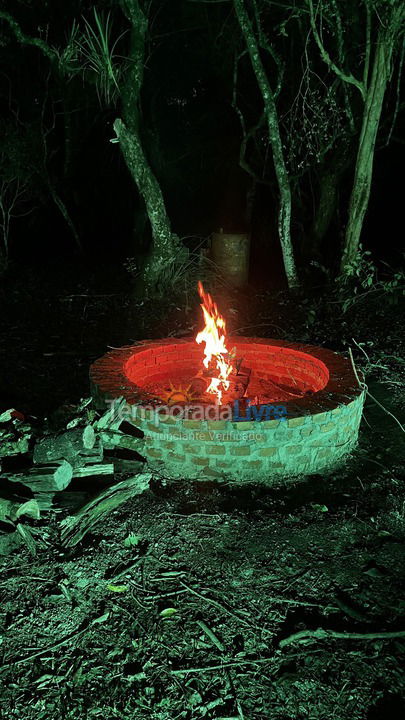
x,y
230,251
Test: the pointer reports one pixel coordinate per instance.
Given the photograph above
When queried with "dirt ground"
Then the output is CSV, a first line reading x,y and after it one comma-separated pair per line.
x,y
186,602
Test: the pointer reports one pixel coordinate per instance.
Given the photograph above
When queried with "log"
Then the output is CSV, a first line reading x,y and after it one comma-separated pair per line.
x,y
112,439
128,466
8,511
74,528
47,478
78,446
15,433
93,470
125,460
44,500
12,445
114,416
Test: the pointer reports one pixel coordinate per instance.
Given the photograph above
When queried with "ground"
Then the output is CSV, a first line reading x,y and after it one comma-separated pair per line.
x,y
182,603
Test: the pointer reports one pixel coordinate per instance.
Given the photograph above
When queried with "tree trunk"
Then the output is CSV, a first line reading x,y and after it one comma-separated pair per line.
x,y
365,155
166,244
284,215
329,183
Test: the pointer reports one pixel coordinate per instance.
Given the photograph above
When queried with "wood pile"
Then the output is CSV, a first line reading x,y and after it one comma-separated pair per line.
x,y
39,466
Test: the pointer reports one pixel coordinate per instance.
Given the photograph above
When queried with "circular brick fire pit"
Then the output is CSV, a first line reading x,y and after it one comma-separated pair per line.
x,y
299,413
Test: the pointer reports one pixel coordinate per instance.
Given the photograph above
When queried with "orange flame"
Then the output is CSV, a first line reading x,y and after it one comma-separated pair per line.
x,y
214,336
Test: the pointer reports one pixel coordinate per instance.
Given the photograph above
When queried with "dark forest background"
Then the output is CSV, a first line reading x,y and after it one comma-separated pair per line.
x,y
75,196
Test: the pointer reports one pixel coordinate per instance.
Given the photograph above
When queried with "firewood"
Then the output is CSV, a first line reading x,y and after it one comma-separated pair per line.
x,y
114,416
12,445
75,528
115,431
15,433
8,511
125,460
93,470
44,500
78,446
115,439
46,478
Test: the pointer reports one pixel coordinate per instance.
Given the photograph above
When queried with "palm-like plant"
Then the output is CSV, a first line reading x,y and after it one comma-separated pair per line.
x,y
93,49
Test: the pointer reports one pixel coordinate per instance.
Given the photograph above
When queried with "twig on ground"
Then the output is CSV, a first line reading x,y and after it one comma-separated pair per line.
x,y
321,634
364,386
361,384
224,609
55,646
362,350
386,411
211,635
222,666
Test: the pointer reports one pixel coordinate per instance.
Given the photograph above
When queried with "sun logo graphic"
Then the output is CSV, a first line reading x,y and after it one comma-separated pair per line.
x,y
178,394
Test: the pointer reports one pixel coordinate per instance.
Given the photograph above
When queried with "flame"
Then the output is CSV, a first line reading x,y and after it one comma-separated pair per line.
x,y
214,337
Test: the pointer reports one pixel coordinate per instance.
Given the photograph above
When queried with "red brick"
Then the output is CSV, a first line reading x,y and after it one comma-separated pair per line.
x,y
267,452
191,449
215,450
154,428
240,451
176,457
199,461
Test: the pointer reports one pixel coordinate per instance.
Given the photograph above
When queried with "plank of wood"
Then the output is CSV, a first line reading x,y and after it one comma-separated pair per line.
x,y
74,528
94,470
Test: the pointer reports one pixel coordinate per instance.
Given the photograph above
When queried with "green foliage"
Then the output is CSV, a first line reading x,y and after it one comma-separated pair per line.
x,y
92,52
315,123
361,268
168,612
361,277
132,540
183,271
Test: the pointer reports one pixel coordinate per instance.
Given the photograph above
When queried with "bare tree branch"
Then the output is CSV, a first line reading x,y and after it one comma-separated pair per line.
x,y
398,105
266,45
46,49
345,77
247,135
368,45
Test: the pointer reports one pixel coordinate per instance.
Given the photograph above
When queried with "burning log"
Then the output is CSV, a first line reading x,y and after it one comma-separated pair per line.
x,y
238,382
218,360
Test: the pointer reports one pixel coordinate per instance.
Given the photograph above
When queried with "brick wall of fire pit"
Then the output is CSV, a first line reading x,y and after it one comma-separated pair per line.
x,y
322,399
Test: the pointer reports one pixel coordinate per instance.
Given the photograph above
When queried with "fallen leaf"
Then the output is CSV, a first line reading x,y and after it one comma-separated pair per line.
x,y
168,612
117,588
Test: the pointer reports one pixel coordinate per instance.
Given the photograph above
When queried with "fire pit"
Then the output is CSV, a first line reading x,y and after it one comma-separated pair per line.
x,y
238,408
306,417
